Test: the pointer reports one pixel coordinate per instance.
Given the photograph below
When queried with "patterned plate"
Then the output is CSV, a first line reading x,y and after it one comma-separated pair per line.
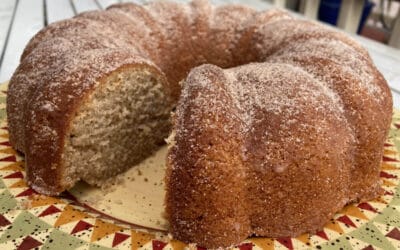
x,y
129,213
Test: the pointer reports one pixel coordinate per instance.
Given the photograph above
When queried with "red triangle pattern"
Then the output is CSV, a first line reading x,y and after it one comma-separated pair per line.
x,y
119,238
4,221
158,245
286,241
367,206
346,220
389,159
323,235
29,243
387,175
9,158
388,193
368,248
81,226
5,127
394,234
27,192
246,246
397,125
5,143
50,210
15,175
388,144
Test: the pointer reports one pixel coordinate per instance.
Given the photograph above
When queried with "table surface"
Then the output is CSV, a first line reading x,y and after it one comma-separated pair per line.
x,y
21,19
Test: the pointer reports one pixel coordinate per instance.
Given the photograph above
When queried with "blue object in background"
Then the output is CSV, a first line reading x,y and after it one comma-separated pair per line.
x,y
329,12
368,5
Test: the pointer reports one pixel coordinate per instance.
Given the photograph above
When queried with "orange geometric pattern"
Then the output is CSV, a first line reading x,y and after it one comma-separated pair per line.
x,y
352,216
72,220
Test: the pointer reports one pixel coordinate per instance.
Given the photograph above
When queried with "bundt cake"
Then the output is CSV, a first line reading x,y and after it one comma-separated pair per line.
x,y
280,127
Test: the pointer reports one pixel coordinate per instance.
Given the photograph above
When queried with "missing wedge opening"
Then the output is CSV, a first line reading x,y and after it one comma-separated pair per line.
x,y
123,121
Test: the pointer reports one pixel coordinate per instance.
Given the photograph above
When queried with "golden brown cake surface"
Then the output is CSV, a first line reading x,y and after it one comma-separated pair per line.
x,y
282,126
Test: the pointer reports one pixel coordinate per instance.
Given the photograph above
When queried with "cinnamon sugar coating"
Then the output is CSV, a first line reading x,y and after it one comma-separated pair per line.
x,y
281,126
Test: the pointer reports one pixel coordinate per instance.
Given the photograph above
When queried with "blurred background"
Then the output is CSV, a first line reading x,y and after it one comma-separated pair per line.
x,y
373,23
378,20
